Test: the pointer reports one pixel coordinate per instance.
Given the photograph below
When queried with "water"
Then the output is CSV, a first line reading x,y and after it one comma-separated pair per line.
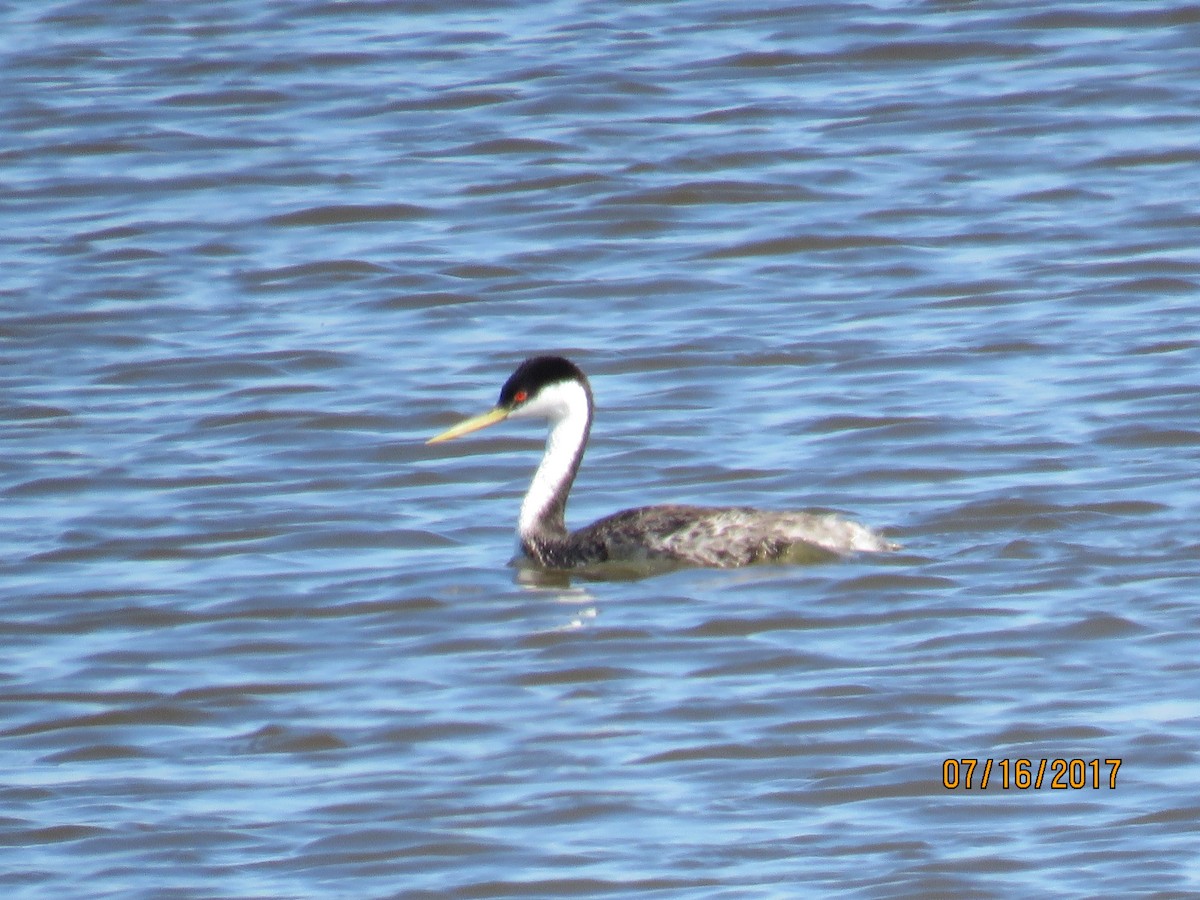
x,y
931,264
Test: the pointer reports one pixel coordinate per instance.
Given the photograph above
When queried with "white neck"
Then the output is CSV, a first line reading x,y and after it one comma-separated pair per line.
x,y
568,407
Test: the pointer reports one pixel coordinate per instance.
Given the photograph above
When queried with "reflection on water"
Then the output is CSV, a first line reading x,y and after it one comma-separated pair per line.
x,y
931,265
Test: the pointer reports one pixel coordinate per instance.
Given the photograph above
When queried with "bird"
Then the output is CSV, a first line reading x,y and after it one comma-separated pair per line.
x,y
555,389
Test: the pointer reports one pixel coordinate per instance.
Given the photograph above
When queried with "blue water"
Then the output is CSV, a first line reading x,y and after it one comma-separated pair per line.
x,y
932,265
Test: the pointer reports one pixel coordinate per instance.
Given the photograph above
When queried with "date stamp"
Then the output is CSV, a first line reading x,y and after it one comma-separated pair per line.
x,y
1030,774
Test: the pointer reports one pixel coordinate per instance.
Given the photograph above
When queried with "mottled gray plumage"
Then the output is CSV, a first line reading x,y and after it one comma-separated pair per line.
x,y
722,537
554,388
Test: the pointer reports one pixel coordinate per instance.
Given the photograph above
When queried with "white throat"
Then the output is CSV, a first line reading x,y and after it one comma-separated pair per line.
x,y
567,407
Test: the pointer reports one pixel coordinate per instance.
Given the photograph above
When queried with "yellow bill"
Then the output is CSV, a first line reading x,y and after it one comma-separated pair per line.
x,y
491,417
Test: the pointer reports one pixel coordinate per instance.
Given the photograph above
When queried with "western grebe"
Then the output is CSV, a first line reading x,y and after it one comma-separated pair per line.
x,y
555,389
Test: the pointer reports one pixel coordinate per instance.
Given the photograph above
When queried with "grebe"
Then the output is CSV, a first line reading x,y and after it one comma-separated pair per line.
x,y
554,388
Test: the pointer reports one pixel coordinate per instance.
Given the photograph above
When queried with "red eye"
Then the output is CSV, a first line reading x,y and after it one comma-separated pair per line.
x,y
520,396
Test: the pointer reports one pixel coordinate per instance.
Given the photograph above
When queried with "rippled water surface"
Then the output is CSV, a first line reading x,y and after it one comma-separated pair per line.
x,y
932,264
